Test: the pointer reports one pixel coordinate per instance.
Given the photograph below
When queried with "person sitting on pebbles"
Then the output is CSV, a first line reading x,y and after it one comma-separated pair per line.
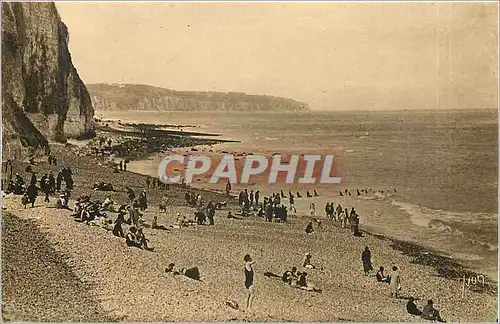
x,y
303,284
131,239
290,277
143,240
154,224
382,277
307,261
430,313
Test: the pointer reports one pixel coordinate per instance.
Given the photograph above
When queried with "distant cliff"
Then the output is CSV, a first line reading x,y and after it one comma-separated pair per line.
x,y
43,97
143,97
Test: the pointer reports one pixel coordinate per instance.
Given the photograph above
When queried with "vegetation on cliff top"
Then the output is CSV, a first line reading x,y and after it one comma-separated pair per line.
x,y
145,97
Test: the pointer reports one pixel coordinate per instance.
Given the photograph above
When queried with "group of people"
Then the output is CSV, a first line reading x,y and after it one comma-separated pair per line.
x,y
141,202
251,200
394,281
271,208
47,184
359,192
337,213
203,213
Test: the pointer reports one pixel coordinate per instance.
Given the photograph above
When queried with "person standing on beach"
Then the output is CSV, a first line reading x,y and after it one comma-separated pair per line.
x,y
32,192
46,189
312,209
59,180
33,178
121,165
143,200
291,200
8,166
395,282
366,258
249,280
240,198
52,182
228,188
257,197
131,194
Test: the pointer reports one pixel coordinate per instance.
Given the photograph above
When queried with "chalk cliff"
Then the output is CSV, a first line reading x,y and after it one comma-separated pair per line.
x,y
107,97
43,97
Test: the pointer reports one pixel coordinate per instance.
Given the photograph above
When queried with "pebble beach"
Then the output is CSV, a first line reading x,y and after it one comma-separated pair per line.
x,y
130,284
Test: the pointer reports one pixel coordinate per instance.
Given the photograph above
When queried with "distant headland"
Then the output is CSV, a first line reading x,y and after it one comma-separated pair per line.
x,y
123,97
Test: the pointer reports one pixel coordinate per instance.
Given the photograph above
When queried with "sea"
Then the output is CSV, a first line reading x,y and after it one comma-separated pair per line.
x,y
439,166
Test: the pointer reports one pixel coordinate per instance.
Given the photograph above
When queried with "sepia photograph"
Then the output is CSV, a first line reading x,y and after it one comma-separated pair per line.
x,y
249,161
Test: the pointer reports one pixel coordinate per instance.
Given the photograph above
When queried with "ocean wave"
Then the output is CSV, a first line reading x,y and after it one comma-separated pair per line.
x,y
457,224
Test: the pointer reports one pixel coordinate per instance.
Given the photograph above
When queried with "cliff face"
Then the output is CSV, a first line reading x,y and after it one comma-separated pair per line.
x,y
43,98
143,97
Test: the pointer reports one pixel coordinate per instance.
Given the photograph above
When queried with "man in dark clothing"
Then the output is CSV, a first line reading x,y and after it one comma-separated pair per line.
x,y
366,258
32,192
245,197
199,217
46,190
68,178
411,308
240,198
121,165
309,228
131,194
382,277
257,197
251,196
117,229
52,182
43,181
33,179
210,213
143,200
59,180
228,187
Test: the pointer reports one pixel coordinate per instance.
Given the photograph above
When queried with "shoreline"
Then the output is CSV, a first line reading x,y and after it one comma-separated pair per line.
x,y
218,253
483,253
435,234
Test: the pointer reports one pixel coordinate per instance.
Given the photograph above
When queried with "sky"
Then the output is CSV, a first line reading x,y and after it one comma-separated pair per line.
x,y
332,56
